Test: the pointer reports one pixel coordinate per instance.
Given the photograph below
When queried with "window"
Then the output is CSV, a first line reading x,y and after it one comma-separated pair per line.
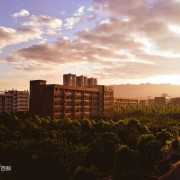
x,y
69,97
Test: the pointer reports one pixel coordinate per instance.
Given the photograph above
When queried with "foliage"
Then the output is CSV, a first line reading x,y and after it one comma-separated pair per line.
x,y
134,144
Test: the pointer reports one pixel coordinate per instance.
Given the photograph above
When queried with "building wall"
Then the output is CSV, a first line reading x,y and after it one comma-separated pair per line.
x,y
69,79
35,96
75,102
157,101
175,101
143,102
14,101
91,82
79,81
151,102
106,99
148,102
6,103
162,100
20,100
120,102
58,101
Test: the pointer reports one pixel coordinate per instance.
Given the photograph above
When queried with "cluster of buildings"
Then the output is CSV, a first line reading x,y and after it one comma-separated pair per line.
x,y
14,101
78,97
78,81
163,100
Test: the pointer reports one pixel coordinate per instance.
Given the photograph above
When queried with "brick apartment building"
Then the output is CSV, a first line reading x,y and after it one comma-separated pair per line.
x,y
72,99
162,100
148,102
14,101
121,102
175,101
6,102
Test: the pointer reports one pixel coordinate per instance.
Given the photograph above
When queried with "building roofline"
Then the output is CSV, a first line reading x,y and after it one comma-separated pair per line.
x,y
37,80
72,87
125,98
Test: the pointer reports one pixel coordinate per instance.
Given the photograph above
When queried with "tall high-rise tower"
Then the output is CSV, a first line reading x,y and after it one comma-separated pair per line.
x,y
78,81
69,79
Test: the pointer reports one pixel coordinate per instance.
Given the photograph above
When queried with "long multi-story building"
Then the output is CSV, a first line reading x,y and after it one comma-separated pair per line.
x,y
14,101
121,102
58,101
148,102
162,100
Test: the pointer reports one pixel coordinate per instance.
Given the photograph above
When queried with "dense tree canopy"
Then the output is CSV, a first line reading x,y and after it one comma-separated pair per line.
x,y
134,144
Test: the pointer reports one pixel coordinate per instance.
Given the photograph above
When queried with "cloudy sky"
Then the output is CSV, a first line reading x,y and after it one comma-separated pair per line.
x,y
116,41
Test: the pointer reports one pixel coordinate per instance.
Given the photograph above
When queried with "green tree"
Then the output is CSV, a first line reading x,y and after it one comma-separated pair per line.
x,y
83,173
149,154
163,136
124,163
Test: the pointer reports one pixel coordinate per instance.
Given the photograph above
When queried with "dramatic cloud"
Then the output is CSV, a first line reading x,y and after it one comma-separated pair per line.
x,y
50,25
11,36
64,51
71,22
145,18
93,13
22,13
80,11
130,40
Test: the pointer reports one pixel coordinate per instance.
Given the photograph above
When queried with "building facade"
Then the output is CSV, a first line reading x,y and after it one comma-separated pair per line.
x,y
20,100
69,79
175,101
148,102
162,100
58,101
6,102
121,102
79,81
14,101
143,102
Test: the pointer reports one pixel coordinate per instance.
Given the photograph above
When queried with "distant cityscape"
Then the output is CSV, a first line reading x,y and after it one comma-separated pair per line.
x,y
78,97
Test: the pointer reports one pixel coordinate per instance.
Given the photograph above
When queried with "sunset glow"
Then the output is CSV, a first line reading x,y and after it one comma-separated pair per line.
x,y
116,41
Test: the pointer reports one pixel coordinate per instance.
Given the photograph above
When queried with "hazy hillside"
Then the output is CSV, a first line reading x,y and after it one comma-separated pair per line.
x,y
142,91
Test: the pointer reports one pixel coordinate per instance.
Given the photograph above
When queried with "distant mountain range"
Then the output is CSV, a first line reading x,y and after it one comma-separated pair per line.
x,y
144,91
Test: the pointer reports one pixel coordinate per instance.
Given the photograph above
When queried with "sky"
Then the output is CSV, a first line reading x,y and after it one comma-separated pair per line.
x,y
116,41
